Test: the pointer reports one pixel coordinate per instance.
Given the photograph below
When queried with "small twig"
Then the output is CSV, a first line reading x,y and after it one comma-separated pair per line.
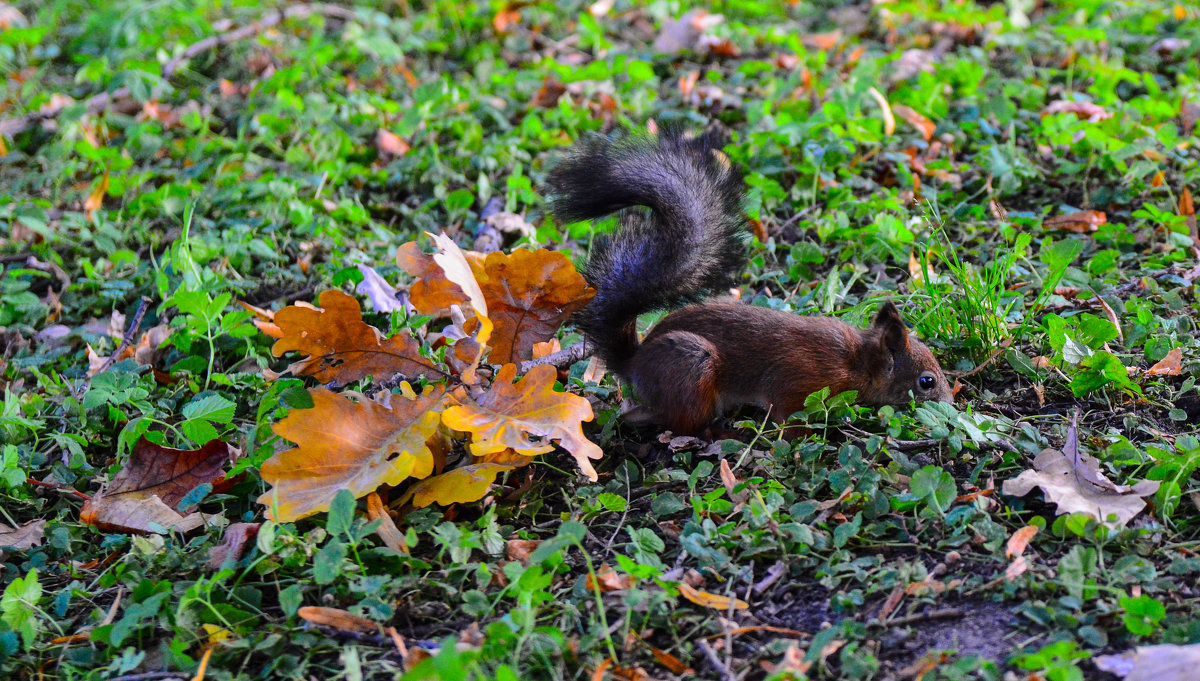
x,y
126,341
774,572
717,664
99,102
58,488
943,614
561,359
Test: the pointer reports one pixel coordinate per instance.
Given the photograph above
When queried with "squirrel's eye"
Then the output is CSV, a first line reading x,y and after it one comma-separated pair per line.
x,y
926,382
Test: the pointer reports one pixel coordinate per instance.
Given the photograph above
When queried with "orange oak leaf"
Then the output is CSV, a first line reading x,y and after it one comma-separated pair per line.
x,y
344,444
527,417
1082,222
432,293
459,486
341,347
529,294
145,495
711,600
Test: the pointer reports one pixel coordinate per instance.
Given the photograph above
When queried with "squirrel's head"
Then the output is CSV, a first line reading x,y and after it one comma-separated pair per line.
x,y
903,368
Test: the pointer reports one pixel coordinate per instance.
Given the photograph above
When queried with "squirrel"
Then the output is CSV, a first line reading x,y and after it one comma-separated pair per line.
x,y
706,357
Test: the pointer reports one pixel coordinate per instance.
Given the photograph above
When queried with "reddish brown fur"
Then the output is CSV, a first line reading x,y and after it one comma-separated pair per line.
x,y
702,359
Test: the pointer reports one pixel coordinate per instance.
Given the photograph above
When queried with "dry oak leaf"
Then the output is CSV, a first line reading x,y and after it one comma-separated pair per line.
x,y
145,495
527,417
459,486
21,538
1070,487
344,444
457,268
529,295
1080,222
711,600
341,347
237,539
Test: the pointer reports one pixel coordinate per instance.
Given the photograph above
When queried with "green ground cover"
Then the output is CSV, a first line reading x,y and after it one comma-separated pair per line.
x,y
1028,206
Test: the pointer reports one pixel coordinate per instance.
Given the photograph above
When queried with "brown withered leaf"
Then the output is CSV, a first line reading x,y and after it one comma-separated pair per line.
x,y
821,41
527,417
264,320
145,495
237,539
549,93
507,16
1019,541
390,145
1171,365
341,347
21,538
347,445
607,579
337,618
96,199
519,549
1084,111
918,121
529,295
387,531
459,486
1188,210
1080,222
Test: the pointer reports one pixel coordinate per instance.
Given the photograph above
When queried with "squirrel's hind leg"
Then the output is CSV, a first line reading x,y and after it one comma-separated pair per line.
x,y
675,375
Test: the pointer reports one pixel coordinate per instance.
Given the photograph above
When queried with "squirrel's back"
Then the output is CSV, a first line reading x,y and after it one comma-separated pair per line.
x,y
687,246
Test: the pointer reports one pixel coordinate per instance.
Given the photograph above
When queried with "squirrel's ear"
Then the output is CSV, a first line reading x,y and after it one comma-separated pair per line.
x,y
893,333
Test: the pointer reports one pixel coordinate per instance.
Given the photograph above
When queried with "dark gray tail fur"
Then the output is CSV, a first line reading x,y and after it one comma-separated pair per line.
x,y
689,245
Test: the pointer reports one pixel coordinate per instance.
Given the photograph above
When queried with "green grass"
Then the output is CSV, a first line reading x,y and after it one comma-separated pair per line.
x,y
253,174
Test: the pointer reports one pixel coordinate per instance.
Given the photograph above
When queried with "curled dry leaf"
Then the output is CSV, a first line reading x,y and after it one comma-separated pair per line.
x,y
264,320
338,619
889,121
1154,663
529,294
383,296
1084,111
96,199
1170,365
918,121
528,417
432,293
21,538
1080,222
1019,541
387,531
348,445
459,486
1068,486
607,579
145,495
711,600
519,549
341,347
390,145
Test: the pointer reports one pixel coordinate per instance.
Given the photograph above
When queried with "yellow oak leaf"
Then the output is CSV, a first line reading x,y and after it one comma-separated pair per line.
x,y
459,486
529,294
341,347
527,416
344,444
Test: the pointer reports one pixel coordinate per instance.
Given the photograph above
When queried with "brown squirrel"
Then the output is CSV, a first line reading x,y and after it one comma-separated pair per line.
x,y
709,356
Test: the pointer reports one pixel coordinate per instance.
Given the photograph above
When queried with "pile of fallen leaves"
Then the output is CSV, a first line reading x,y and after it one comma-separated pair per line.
x,y
502,307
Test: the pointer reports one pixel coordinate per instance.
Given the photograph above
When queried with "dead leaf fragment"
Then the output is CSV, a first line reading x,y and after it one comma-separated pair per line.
x,y
145,495
684,33
1084,111
918,121
1081,222
821,41
1170,365
711,600
238,537
96,199
607,579
1019,540
889,121
1154,663
347,445
337,618
22,538
390,145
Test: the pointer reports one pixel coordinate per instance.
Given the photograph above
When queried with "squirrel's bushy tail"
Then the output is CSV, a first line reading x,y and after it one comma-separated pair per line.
x,y
689,244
